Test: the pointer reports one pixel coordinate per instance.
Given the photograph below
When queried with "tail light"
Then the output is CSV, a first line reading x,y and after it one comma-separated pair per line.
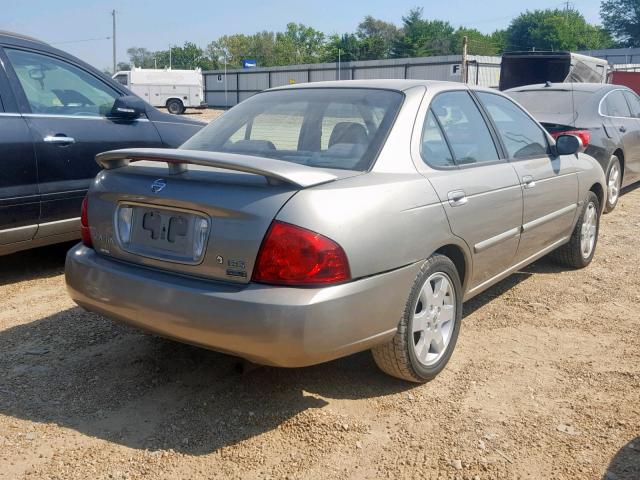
x,y
583,135
85,233
294,256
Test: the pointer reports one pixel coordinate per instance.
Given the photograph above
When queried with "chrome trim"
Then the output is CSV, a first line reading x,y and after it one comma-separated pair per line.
x,y
549,217
486,284
9,114
490,242
17,234
58,227
59,140
84,117
606,95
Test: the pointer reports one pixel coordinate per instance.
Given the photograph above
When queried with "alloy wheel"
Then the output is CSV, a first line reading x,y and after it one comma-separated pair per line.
x,y
613,184
434,319
588,230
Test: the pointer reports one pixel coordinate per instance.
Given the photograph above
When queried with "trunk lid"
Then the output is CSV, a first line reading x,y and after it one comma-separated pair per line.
x,y
164,209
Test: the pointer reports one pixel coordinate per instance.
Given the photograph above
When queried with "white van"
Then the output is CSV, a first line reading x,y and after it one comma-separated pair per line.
x,y
174,89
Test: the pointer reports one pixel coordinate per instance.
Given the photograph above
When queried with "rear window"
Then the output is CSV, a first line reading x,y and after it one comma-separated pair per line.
x,y
554,102
341,128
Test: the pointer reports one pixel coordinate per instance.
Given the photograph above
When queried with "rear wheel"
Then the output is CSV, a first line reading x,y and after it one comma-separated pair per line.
x,y
614,182
580,249
428,330
175,106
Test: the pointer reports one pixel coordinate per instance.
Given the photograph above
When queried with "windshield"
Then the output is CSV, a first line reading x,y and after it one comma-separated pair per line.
x,y
341,128
554,102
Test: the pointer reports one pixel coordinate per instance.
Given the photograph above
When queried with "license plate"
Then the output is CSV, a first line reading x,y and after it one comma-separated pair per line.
x,y
167,234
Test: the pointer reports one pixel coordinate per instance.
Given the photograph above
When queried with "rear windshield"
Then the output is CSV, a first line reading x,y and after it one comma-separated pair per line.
x,y
557,102
341,128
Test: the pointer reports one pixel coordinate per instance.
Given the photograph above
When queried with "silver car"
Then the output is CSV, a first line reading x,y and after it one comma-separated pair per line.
x,y
314,221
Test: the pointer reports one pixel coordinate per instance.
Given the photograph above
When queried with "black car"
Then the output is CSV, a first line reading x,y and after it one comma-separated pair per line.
x,y
56,114
605,117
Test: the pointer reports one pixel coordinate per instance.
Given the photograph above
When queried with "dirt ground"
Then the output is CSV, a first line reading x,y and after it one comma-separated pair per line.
x,y
544,384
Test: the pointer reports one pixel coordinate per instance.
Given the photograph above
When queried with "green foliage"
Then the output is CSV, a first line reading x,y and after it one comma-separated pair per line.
x,y
420,37
550,29
621,19
555,29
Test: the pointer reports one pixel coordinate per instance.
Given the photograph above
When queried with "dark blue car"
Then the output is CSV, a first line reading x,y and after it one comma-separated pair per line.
x,y
56,114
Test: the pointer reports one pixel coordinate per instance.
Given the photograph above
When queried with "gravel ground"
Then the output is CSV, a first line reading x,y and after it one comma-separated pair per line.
x,y
544,383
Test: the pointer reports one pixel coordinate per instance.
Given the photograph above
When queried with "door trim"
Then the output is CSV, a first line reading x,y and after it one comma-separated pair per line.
x,y
17,234
486,284
549,217
58,227
490,242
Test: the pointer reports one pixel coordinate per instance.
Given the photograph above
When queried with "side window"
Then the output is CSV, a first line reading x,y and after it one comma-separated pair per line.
x,y
122,78
522,137
433,147
634,103
56,87
465,128
616,105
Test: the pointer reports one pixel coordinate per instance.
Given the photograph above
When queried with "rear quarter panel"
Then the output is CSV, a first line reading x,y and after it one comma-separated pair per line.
x,y
589,173
383,221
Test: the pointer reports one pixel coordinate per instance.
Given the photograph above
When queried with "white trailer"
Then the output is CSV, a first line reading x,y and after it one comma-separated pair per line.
x,y
174,89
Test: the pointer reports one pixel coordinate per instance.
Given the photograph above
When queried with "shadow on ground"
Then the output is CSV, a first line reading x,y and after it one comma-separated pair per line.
x,y
626,464
107,380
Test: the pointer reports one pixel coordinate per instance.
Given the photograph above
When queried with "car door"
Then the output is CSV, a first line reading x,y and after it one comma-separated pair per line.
x,y
19,196
67,109
618,118
479,190
549,183
632,166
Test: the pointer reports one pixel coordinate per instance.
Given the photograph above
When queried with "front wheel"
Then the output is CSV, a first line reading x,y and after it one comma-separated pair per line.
x,y
429,327
581,248
175,106
614,183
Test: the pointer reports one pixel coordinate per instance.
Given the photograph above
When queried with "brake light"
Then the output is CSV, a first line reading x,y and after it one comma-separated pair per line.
x,y
583,135
294,256
85,233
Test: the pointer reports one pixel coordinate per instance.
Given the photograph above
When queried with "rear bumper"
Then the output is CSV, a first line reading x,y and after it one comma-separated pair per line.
x,y
287,327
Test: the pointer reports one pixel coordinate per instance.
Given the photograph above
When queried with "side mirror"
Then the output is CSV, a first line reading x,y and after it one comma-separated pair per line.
x,y
128,107
568,145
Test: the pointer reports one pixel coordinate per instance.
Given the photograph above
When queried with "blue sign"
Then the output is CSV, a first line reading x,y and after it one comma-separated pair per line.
x,y
249,63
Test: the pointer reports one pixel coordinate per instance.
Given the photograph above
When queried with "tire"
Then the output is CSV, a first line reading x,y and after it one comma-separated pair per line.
x,y
404,355
175,106
614,183
574,253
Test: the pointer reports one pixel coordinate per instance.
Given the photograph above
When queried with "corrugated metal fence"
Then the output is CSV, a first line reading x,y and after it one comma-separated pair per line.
x,y
225,89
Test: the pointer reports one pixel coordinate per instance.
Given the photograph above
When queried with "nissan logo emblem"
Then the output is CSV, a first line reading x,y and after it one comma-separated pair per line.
x,y
158,185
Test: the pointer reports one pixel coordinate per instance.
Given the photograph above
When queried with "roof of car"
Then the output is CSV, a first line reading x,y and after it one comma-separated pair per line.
x,y
386,84
18,36
576,87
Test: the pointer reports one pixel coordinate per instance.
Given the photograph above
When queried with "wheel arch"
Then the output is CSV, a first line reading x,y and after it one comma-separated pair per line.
x,y
599,192
460,259
620,154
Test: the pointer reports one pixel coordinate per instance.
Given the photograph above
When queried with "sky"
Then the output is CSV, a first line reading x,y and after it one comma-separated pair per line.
x,y
81,27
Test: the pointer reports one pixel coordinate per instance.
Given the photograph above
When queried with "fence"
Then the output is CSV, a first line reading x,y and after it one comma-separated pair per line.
x,y
230,87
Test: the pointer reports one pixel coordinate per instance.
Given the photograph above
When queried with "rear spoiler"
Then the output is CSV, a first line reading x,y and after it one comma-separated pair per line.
x,y
274,170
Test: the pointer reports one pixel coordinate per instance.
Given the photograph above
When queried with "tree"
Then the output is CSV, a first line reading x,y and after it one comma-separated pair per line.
x,y
376,38
299,44
140,57
420,37
621,19
555,29
189,56
345,48
479,43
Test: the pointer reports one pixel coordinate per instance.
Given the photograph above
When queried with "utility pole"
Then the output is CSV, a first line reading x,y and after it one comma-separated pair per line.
x,y
339,67
169,56
113,14
463,68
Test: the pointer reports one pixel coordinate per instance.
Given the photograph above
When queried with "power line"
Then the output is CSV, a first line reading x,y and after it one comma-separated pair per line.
x,y
81,40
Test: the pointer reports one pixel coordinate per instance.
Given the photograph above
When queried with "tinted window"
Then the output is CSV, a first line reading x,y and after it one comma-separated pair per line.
x,y
634,103
464,127
434,149
615,105
56,87
122,78
320,127
522,137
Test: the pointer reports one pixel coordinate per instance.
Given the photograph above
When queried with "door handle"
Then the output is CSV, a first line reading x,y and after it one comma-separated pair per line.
x,y
457,198
528,181
59,139
623,129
